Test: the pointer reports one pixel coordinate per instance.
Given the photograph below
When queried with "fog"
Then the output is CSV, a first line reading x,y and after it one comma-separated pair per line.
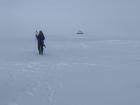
x,y
102,68
96,18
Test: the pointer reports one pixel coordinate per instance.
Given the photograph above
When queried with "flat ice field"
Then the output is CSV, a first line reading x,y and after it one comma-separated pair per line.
x,y
74,71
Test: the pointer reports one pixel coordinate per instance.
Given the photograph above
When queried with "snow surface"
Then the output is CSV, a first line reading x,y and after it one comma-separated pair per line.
x,y
73,71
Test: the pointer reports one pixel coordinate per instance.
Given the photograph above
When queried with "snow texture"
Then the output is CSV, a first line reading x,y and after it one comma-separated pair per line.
x,y
74,72
99,67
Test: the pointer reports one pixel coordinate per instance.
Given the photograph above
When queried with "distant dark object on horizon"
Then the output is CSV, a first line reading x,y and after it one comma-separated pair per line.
x,y
80,32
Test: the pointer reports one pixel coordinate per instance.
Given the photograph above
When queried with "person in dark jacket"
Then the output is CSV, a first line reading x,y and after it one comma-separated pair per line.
x,y
40,38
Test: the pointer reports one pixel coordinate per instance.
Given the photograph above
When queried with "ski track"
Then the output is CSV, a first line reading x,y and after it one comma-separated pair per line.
x,y
28,71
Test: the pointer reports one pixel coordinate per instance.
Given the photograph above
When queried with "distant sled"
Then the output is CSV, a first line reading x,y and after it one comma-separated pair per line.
x,y
80,32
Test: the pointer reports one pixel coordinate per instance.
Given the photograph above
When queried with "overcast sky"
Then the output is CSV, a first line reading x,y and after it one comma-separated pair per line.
x,y
65,17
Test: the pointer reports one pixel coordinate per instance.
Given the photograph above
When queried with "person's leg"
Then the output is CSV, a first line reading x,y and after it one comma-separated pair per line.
x,y
39,48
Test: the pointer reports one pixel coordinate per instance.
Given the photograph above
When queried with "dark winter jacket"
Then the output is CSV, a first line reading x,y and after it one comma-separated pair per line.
x,y
40,37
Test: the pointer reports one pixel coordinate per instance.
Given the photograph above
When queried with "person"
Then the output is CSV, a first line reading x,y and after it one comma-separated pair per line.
x,y
40,38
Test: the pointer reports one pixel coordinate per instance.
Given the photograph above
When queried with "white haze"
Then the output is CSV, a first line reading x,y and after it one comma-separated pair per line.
x,y
97,18
101,68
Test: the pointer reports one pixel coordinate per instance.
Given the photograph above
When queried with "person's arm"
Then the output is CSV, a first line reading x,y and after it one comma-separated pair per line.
x,y
43,37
